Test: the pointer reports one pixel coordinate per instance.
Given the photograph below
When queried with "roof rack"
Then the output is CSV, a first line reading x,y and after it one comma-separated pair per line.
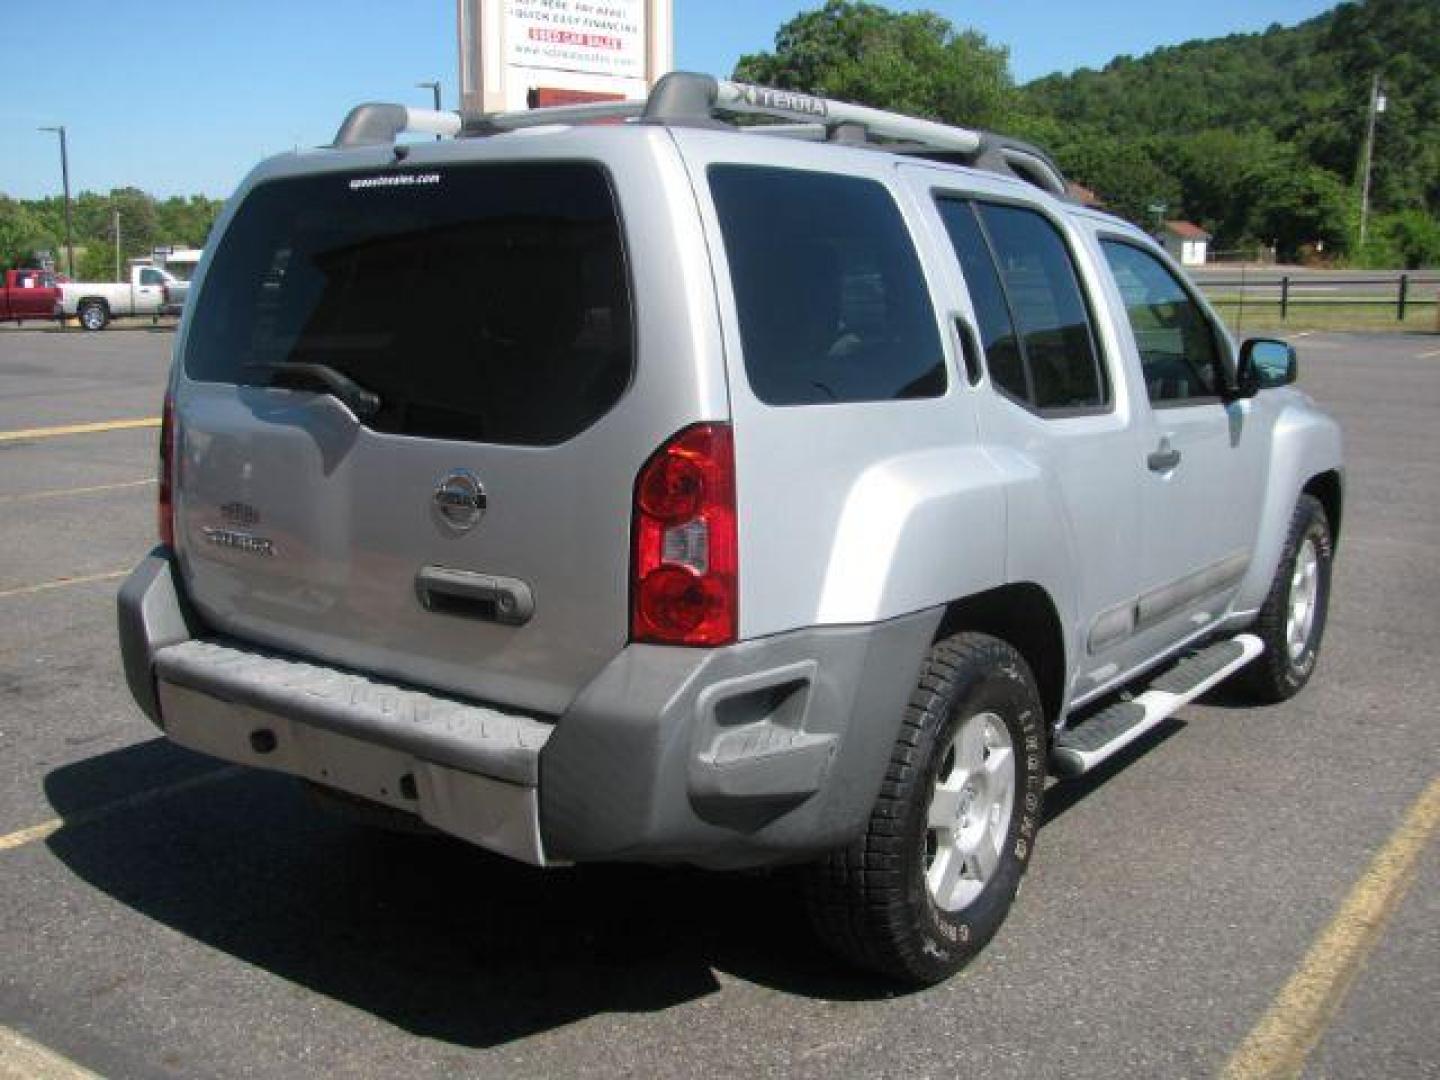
x,y
686,99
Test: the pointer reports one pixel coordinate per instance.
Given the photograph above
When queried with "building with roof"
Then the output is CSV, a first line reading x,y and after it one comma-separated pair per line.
x,y
1186,242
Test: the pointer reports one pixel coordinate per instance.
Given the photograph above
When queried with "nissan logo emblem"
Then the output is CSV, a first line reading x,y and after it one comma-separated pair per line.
x,y
460,500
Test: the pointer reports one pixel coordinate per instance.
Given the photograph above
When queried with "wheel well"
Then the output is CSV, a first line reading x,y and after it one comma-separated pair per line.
x,y
1023,615
1326,488
93,300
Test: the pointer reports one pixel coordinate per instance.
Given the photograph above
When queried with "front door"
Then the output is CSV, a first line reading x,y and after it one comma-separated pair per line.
x,y
1204,456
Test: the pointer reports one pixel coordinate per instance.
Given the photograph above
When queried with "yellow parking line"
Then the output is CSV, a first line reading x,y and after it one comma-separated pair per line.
x,y
60,583
49,828
57,493
23,1059
79,429
1289,1030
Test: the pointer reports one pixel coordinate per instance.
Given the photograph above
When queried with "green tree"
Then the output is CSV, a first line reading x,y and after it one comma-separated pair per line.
x,y
19,233
912,62
1122,172
1409,238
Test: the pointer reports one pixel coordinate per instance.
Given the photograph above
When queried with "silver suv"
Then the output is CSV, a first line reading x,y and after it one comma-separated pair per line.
x,y
618,483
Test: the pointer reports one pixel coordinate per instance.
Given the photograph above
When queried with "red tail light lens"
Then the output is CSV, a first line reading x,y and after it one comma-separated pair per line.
x,y
683,588
165,503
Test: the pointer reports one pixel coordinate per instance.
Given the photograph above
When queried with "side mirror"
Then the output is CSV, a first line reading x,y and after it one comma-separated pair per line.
x,y
1264,364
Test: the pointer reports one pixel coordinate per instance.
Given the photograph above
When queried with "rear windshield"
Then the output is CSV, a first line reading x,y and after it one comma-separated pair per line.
x,y
488,303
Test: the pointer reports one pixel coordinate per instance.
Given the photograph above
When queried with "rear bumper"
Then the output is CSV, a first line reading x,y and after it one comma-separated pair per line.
x,y
761,752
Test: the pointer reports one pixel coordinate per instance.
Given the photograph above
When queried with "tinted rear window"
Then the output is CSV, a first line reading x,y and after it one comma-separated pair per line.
x,y
488,303
831,299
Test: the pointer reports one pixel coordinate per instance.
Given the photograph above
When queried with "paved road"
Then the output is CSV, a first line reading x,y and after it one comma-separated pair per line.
x,y
190,921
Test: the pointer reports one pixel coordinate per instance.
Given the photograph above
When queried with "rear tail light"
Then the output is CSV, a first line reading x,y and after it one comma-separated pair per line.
x,y
165,503
683,587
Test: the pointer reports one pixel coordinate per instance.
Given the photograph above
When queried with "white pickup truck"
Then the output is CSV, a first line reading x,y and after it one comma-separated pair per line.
x,y
148,292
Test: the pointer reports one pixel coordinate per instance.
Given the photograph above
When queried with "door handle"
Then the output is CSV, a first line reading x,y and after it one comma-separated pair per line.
x,y
1163,458
488,597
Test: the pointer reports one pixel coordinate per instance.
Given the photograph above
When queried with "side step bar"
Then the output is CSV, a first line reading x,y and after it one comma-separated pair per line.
x,y
1081,748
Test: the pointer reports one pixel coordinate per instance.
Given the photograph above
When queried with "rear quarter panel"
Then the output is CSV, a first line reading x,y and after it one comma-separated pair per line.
x,y
851,512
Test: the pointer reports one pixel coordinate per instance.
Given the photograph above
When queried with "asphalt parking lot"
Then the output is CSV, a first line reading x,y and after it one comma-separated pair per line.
x,y
163,915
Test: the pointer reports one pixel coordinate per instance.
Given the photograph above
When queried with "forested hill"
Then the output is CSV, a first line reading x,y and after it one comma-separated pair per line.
x,y
1296,96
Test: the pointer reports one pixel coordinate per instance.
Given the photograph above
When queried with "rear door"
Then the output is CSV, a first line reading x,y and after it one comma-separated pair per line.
x,y
472,533
1056,409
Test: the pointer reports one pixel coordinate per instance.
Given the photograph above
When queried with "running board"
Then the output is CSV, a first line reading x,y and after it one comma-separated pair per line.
x,y
1081,748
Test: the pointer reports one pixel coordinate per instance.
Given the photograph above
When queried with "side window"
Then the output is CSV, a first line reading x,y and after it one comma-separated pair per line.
x,y
150,276
992,310
1039,345
832,303
1049,311
1177,345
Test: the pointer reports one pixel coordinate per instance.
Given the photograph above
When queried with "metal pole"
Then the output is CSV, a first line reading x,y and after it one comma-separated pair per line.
x,y
116,211
434,90
1368,154
65,181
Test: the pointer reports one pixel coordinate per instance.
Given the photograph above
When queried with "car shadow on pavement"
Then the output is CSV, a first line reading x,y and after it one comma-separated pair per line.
x,y
1061,796
430,934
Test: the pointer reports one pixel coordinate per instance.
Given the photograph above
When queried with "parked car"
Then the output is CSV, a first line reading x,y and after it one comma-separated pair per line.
x,y
149,291
28,294
778,499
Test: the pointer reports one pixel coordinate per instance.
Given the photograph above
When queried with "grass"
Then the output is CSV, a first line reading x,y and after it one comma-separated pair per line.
x,y
1308,315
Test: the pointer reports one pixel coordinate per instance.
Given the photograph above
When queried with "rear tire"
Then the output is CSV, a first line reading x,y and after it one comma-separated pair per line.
x,y
94,315
934,874
1292,619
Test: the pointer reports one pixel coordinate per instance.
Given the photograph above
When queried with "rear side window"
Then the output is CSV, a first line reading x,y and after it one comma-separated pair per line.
x,y
832,303
1177,344
487,303
1040,344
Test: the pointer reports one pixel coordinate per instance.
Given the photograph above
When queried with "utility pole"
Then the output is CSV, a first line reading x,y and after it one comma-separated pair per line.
x,y
434,88
1377,106
115,210
65,180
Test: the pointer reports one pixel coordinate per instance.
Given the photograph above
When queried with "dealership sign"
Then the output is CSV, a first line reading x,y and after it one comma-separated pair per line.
x,y
519,52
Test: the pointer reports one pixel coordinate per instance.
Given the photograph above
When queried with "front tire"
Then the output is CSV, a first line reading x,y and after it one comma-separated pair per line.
x,y
934,874
1292,619
94,315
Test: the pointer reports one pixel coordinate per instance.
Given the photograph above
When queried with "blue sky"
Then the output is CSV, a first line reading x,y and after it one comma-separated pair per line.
x,y
182,96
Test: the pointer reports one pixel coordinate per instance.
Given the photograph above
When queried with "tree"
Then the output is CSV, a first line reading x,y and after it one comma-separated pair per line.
x,y
19,233
1121,172
911,62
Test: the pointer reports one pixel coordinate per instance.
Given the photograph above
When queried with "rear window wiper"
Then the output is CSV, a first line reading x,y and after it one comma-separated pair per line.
x,y
363,403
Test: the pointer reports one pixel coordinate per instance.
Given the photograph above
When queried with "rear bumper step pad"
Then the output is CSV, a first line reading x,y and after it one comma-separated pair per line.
x,y
446,731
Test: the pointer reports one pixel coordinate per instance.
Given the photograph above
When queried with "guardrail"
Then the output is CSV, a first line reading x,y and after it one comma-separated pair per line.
x,y
1299,290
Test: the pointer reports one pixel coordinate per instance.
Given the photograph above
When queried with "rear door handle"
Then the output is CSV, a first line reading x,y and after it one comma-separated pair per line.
x,y
1163,458
487,597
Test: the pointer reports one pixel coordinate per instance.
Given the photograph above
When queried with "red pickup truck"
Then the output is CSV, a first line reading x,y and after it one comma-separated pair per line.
x,y
28,294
